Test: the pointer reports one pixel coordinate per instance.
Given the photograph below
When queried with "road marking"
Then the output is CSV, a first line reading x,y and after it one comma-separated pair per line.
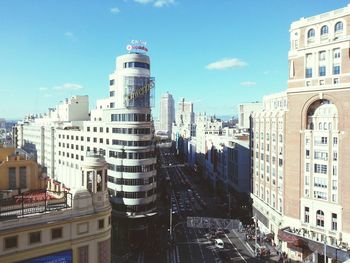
x,y
177,254
236,249
244,244
174,254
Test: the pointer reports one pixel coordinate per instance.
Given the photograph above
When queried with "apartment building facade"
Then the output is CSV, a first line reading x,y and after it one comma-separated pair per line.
x,y
311,207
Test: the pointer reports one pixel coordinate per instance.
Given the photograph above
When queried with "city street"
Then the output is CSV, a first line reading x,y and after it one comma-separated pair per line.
x,y
188,199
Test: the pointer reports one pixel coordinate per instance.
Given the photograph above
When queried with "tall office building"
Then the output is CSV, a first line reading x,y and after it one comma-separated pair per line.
x,y
313,212
120,128
167,112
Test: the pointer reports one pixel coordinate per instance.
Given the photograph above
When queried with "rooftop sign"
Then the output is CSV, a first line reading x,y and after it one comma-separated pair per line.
x,y
137,46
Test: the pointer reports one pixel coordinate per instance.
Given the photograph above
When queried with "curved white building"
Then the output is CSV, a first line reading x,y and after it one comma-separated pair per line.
x,y
121,129
130,153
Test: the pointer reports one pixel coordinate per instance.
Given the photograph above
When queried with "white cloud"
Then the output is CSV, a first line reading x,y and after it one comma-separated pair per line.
x,y
248,83
143,1
156,3
68,86
161,3
43,88
115,10
226,63
70,35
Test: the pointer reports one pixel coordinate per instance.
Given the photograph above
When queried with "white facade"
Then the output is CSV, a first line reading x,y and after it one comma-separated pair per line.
x,y
267,146
244,112
167,112
120,128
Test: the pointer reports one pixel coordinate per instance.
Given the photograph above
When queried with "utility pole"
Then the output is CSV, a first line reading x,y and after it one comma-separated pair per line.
x,y
171,223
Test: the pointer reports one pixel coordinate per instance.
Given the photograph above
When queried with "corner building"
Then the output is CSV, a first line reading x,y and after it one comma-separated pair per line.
x,y
315,211
120,128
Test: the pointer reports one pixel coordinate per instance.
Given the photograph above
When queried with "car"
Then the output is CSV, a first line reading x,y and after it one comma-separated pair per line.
x,y
219,243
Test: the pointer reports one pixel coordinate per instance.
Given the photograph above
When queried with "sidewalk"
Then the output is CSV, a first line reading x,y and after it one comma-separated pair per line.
x,y
274,255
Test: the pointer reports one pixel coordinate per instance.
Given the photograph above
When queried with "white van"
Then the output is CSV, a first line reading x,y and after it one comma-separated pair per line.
x,y
219,243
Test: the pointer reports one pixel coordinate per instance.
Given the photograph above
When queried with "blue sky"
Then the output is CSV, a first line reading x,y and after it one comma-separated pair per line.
x,y
214,53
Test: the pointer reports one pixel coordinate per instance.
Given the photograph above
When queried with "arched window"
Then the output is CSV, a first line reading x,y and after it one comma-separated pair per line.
x,y
320,113
320,218
324,30
338,26
311,33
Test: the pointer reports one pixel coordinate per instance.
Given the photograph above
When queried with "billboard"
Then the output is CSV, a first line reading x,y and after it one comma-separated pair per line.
x,y
59,257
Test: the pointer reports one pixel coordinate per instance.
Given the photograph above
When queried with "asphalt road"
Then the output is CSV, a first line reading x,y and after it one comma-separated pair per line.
x,y
190,199
187,197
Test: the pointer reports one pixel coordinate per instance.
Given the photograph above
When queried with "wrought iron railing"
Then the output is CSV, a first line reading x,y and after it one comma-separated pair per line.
x,y
32,202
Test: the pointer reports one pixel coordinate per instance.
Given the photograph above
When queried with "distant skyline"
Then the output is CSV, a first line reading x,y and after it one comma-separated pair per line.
x,y
216,54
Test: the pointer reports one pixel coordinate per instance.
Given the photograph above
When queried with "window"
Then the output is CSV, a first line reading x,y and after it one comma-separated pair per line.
x,y
88,129
334,222
334,170
95,129
136,65
320,195
336,53
111,82
338,27
35,237
308,73
336,69
23,177
334,185
307,153
111,93
307,167
320,182
322,71
335,156
56,233
320,168
335,140
307,215
101,224
322,56
311,33
320,218
335,81
324,30
11,242
12,178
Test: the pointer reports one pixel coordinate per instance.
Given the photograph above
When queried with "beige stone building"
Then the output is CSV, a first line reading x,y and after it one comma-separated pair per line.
x,y
58,226
313,211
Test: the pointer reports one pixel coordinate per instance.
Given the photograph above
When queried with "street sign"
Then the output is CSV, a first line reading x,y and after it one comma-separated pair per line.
x,y
209,222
